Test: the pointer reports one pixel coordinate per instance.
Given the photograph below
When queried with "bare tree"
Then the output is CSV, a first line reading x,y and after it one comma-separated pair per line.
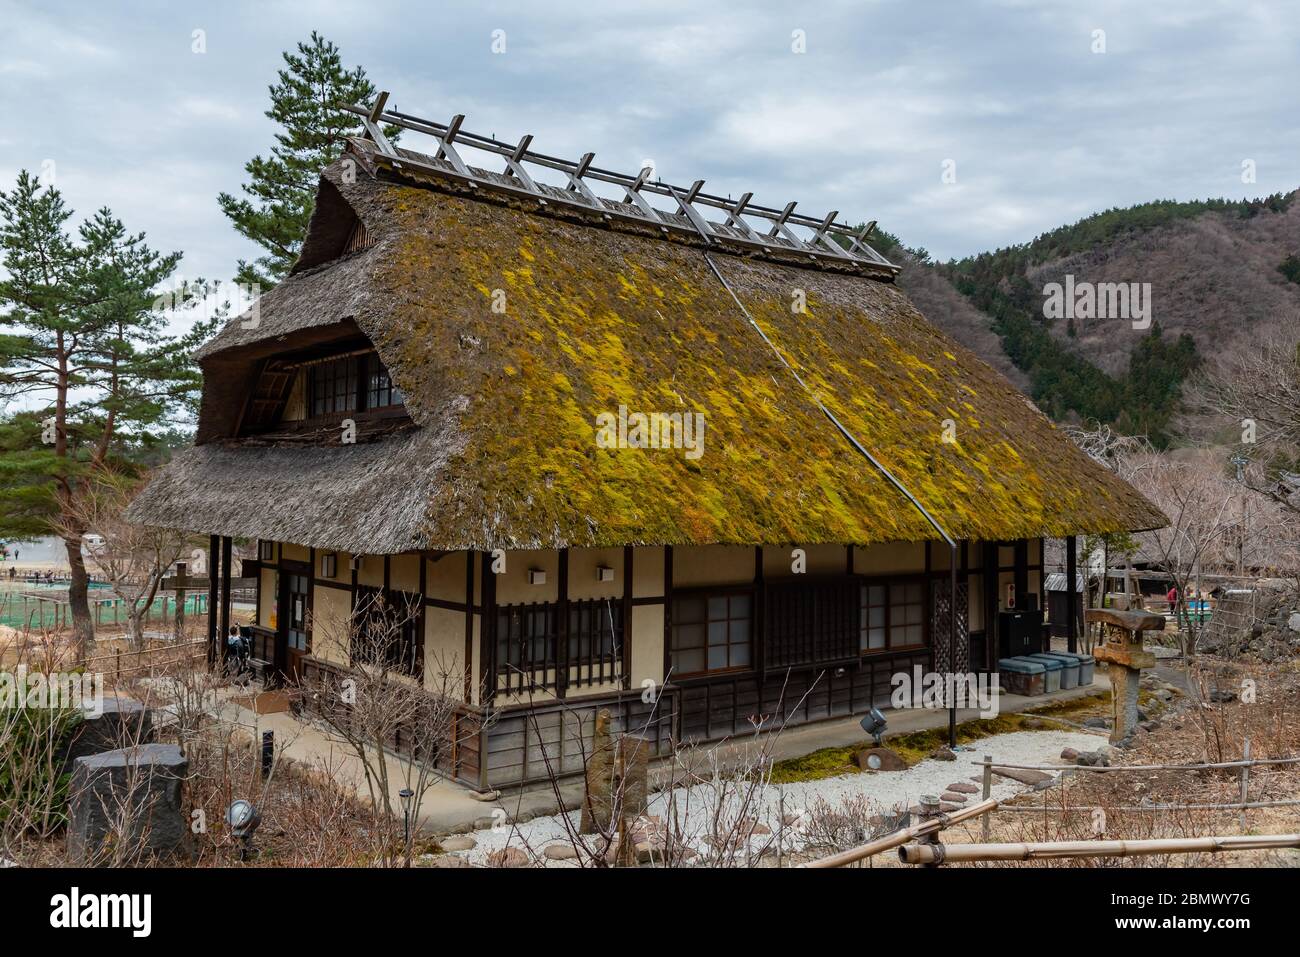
x,y
386,702
130,557
1254,394
1201,504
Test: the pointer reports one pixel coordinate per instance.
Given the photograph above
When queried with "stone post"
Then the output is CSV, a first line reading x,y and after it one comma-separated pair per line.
x,y
598,796
1121,648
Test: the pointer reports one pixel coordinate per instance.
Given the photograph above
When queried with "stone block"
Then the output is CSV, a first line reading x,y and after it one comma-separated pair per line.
x,y
126,805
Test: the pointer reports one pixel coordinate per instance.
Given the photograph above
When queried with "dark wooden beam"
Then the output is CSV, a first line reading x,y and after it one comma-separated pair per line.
x,y
487,628
628,557
758,637
668,610
225,592
562,632
469,627
1071,596
216,649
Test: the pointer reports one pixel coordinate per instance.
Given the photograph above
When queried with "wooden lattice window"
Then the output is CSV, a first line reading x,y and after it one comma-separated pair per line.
x,y
711,632
334,386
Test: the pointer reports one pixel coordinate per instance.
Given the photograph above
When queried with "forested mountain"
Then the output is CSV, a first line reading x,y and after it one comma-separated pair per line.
x,y
1214,273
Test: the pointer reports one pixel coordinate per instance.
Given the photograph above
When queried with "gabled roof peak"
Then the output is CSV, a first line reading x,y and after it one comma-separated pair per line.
x,y
747,227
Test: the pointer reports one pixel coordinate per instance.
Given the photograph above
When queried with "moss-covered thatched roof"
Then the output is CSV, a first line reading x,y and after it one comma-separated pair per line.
x,y
601,317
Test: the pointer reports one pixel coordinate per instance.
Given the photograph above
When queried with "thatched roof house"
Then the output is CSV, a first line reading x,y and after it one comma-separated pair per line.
x,y
504,326
503,405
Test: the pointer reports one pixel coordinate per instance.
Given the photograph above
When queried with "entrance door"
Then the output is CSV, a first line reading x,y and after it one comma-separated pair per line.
x,y
294,635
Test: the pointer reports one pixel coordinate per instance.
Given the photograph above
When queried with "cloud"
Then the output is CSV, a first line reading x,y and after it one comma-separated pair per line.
x,y
1041,129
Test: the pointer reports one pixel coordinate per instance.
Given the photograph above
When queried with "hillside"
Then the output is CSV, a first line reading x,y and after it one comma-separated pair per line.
x,y
1219,273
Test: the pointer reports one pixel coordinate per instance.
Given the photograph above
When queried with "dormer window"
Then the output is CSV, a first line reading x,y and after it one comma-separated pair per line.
x,y
333,386
354,383
380,391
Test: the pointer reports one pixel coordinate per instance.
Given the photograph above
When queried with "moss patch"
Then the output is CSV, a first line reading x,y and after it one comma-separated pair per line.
x,y
918,745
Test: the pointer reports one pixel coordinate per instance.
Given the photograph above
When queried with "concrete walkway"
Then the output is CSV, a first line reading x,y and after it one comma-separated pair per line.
x,y
449,807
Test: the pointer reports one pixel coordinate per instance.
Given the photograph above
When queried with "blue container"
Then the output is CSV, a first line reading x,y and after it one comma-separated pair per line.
x,y
1070,672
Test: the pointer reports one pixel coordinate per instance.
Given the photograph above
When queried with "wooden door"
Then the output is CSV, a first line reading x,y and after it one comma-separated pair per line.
x,y
294,633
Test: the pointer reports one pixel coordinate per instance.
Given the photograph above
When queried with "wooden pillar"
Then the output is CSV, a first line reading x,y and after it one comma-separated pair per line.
x,y
668,610
990,569
487,628
628,584
421,634
469,627
759,634
215,650
562,627
225,592
1071,596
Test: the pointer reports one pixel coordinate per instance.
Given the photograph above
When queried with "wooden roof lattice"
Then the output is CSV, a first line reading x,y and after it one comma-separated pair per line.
x,y
823,240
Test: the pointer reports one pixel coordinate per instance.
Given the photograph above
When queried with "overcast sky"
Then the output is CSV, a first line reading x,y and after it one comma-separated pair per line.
x,y
1041,130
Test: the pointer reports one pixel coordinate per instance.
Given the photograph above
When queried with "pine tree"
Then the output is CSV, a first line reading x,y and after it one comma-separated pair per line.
x,y
281,190
83,345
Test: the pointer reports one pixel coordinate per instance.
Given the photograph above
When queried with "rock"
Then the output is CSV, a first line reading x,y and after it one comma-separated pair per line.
x,y
123,723
458,842
508,857
128,799
1165,695
1044,785
487,797
648,852
1093,759
487,823
947,807
943,754
1100,723
1034,724
1218,696
447,860
962,787
790,820
1069,754
1021,775
1149,726
952,797
559,852
880,759
1293,622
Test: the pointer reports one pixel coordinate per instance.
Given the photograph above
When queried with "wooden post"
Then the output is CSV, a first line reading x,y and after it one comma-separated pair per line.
x,y
988,791
1245,782
1071,573
213,647
225,593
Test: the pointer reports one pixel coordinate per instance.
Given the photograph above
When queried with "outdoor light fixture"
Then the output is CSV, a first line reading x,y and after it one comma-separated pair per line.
x,y
604,573
874,724
406,794
536,576
243,819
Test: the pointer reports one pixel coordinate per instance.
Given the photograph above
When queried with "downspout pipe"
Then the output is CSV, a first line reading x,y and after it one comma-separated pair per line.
x,y
865,453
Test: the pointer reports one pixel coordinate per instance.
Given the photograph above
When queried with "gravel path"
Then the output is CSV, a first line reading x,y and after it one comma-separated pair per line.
x,y
854,795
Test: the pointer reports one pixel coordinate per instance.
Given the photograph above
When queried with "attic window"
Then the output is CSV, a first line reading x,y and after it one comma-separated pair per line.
x,y
353,383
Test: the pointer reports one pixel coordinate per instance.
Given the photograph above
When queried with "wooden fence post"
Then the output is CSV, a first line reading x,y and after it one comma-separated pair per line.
x,y
1245,782
988,790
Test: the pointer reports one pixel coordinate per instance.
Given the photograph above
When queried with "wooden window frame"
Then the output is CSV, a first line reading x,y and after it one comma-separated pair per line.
x,y
888,582
705,594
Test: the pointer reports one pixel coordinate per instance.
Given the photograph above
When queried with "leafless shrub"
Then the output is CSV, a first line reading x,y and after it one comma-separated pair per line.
x,y
382,704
